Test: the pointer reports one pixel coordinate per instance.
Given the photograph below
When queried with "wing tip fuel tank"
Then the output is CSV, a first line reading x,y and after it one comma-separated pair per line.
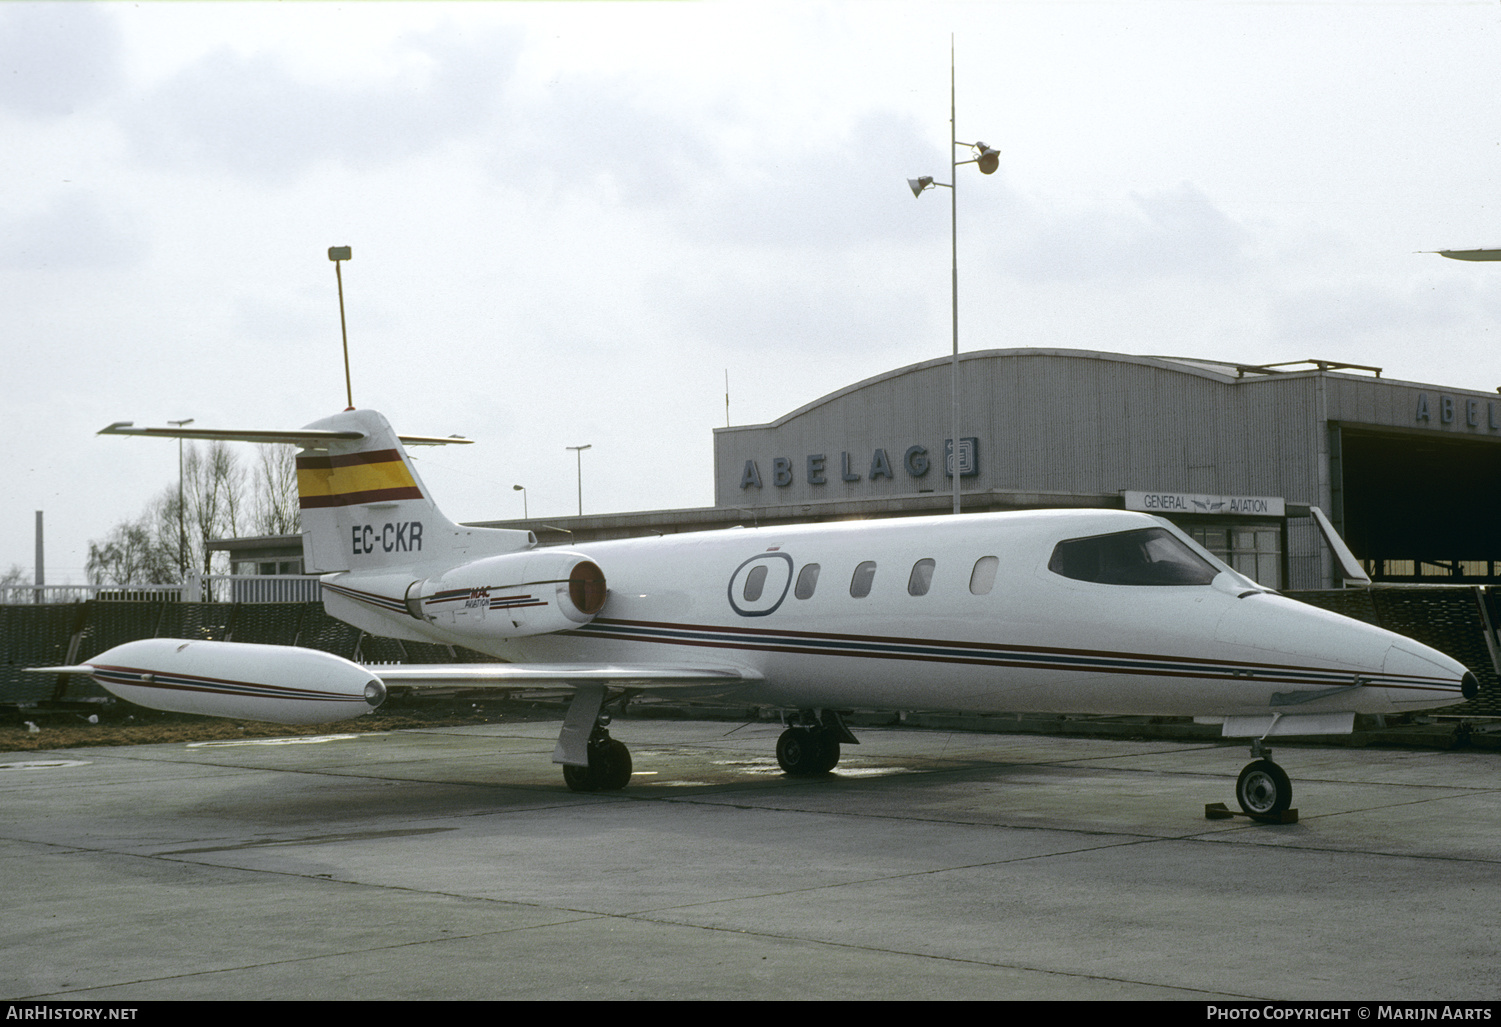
x,y
279,684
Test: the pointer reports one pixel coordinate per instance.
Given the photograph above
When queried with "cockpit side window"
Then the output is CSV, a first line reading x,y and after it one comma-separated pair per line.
x,y
1148,556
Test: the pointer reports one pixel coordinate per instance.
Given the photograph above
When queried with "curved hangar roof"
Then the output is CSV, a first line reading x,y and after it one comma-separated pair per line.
x,y
1056,423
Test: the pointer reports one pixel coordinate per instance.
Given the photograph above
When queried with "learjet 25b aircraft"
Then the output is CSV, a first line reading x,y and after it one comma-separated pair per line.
x,y
1049,611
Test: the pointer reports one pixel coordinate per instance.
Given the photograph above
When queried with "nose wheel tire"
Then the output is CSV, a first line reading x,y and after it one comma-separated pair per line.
x,y
1263,789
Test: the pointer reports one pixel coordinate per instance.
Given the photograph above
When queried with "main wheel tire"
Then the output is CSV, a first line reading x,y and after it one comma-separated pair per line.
x,y
615,766
1263,789
830,753
609,769
581,779
805,753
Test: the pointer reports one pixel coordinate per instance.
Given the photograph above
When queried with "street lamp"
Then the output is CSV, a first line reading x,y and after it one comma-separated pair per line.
x,y
580,451
988,160
524,515
182,524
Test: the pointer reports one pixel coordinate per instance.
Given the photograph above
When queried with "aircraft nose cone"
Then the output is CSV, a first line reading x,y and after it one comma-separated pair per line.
x,y
1417,677
1469,686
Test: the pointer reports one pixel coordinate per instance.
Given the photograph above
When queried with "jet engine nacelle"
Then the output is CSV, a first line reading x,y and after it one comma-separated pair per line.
x,y
278,683
512,595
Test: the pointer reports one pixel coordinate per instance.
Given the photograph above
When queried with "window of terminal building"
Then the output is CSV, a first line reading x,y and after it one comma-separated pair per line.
x,y
1254,550
262,567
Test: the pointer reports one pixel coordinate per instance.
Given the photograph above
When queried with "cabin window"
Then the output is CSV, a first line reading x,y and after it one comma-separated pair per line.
x,y
807,581
921,579
755,581
1149,556
982,578
864,575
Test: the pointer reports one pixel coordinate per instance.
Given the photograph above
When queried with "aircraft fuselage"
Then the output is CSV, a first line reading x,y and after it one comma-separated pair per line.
x,y
962,614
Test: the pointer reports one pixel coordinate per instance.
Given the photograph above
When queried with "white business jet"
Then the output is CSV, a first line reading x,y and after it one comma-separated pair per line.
x,y
1065,612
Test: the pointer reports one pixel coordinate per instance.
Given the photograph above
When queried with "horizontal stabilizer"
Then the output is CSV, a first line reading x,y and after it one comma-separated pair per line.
x,y
1469,254
644,677
306,437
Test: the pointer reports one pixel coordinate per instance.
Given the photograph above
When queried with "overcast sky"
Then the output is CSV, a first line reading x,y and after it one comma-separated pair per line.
x,y
570,220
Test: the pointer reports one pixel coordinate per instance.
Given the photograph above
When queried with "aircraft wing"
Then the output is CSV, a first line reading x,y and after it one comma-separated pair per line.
x,y
289,436
655,678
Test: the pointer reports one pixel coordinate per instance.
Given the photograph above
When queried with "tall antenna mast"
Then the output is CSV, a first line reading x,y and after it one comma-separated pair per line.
x,y
339,254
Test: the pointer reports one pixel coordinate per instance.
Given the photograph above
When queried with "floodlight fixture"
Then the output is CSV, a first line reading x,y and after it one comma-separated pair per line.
x,y
987,158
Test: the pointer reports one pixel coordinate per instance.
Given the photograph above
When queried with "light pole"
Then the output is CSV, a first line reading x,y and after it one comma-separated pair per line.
x,y
524,515
339,254
988,160
580,451
182,524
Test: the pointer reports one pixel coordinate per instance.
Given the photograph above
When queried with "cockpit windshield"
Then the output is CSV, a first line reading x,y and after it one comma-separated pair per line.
x,y
1148,556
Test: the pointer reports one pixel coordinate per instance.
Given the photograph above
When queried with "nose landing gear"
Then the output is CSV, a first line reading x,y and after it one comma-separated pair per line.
x,y
1263,791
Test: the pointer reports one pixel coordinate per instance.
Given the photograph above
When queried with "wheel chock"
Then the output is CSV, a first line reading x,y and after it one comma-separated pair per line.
x,y
1219,811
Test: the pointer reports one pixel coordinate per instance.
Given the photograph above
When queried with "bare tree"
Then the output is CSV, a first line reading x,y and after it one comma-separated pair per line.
x,y
15,578
132,554
170,539
274,506
213,492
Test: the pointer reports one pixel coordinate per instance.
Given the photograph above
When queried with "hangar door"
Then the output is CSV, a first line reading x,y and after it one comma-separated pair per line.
x,y
1419,507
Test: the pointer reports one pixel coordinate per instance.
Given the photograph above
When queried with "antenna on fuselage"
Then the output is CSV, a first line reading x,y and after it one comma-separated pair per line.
x,y
339,254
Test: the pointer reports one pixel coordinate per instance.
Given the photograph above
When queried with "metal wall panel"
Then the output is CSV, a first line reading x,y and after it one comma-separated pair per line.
x,y
1046,420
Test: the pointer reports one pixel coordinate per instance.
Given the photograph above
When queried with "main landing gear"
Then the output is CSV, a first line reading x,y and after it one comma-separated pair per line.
x,y
810,746
592,760
609,768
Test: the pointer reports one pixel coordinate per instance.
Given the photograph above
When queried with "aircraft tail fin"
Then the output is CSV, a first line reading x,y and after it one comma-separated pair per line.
x,y
363,505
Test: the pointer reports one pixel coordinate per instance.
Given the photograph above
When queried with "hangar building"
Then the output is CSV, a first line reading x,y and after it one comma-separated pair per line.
x,y
1236,454
1239,455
